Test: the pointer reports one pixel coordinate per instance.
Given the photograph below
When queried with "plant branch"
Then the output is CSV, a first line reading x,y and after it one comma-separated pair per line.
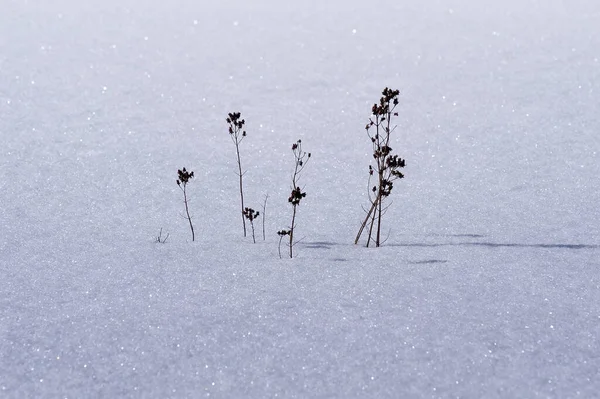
x,y
237,135
183,179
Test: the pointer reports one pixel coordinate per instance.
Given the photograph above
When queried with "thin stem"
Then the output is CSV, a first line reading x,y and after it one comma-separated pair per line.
x,y
364,223
378,240
380,200
264,207
237,149
160,239
292,231
187,211
369,237
279,248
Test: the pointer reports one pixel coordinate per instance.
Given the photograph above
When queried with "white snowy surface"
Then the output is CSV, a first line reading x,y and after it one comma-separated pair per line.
x,y
489,282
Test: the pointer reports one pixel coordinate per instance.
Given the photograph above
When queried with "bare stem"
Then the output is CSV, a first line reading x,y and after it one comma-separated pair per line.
x,y
253,237
292,231
237,149
279,248
160,239
369,237
379,197
264,208
187,211
364,223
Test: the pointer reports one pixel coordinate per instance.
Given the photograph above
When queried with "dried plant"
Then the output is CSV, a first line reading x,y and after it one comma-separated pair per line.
x,y
387,165
237,134
182,182
300,160
281,233
251,215
264,208
160,238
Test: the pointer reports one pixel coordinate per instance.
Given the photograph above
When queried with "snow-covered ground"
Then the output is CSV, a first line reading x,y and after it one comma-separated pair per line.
x,y
488,284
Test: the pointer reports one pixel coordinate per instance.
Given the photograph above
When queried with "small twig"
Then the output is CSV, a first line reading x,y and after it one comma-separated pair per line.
x,y
264,209
387,237
160,239
300,240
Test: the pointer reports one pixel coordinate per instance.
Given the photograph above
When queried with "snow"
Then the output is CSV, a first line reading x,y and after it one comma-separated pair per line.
x,y
488,284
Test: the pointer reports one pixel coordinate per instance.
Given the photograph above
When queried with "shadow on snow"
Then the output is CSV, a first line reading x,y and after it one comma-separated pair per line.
x,y
499,245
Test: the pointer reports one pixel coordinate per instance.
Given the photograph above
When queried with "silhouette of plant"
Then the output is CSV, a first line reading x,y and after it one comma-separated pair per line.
x,y
237,134
300,160
282,233
251,214
160,238
387,165
182,181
